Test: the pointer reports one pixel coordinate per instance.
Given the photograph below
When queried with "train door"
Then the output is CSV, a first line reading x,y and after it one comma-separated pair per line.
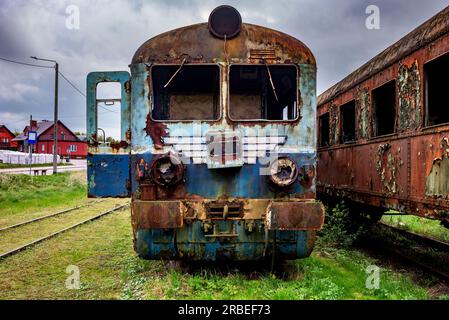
x,y
108,162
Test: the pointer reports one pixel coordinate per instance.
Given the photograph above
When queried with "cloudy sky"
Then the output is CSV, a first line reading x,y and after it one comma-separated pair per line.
x,y
111,31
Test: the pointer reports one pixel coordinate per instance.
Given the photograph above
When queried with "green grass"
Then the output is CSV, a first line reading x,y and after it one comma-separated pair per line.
x,y
17,237
36,165
109,269
338,276
431,228
21,195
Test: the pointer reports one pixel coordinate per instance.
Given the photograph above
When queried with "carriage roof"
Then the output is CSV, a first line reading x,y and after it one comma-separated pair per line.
x,y
198,45
425,34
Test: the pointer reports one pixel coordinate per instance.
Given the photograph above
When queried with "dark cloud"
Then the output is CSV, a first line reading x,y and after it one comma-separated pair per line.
x,y
112,30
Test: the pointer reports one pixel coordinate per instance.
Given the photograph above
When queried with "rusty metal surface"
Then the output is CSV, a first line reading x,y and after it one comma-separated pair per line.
x,y
418,38
407,174
157,214
409,91
295,216
406,170
175,45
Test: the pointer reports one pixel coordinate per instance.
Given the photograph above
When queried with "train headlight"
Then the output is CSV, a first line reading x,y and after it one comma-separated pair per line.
x,y
225,22
167,170
283,172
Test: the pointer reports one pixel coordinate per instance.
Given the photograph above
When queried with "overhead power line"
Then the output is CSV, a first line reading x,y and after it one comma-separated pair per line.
x,y
62,75
81,93
26,64
73,86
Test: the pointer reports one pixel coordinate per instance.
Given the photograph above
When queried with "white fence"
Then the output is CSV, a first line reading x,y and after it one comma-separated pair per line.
x,y
24,158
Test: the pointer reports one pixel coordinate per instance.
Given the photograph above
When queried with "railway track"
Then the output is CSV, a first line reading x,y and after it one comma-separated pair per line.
x,y
20,224
434,243
53,234
425,253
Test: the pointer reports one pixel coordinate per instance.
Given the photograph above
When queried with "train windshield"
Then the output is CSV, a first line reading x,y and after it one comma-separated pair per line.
x,y
263,92
186,92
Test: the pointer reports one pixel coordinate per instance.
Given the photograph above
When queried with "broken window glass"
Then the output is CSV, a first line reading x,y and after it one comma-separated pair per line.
x,y
384,99
324,130
186,92
348,120
263,92
437,87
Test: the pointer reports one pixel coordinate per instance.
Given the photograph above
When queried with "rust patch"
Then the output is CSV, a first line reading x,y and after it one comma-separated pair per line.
x,y
387,167
363,106
437,182
157,215
307,176
409,92
157,131
334,124
296,216
115,145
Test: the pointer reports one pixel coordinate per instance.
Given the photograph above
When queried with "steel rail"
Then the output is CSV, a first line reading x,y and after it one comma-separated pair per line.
x,y
54,234
443,246
394,249
47,216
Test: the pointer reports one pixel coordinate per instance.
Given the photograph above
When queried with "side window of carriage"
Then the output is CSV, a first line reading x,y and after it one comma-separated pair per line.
x,y
384,102
436,88
324,129
348,119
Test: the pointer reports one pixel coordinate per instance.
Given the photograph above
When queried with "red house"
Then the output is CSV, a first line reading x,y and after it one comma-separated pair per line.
x,y
69,145
6,139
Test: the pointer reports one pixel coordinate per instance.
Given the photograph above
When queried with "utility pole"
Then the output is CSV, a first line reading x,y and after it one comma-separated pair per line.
x,y
55,124
30,146
55,151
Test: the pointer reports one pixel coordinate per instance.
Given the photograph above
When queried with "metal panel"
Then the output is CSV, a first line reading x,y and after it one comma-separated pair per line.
x,y
108,175
157,214
295,216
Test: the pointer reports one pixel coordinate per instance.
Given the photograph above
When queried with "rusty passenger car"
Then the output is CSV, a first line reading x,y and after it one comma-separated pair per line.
x,y
384,130
218,149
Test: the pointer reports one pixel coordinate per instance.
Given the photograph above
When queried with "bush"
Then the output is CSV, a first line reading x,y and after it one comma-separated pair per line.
x,y
342,227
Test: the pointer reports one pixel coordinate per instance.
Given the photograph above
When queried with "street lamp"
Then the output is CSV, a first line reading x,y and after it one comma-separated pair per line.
x,y
55,125
104,135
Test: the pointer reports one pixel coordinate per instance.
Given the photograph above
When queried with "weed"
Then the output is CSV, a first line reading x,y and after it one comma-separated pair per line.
x,y
342,228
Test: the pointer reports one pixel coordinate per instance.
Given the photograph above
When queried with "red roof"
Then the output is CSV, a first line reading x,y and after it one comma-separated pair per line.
x,y
41,128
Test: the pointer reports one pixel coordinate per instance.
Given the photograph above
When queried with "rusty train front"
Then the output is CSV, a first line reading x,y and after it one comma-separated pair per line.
x,y
218,143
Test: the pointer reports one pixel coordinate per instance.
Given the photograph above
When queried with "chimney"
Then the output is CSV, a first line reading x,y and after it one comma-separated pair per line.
x,y
33,124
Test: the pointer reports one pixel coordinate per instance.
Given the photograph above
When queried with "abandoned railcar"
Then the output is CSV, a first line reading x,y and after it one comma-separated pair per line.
x,y
384,130
218,149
